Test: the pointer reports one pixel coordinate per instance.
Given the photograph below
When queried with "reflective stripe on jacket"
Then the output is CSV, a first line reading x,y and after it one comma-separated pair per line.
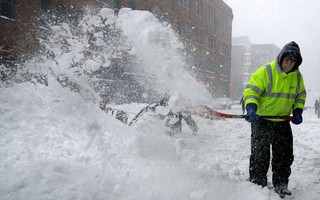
x,y
275,92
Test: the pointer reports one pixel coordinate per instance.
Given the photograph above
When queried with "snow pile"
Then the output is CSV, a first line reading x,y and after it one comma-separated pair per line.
x,y
54,145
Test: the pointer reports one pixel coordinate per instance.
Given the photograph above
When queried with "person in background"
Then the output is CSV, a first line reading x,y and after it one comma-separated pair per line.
x,y
276,89
318,109
316,106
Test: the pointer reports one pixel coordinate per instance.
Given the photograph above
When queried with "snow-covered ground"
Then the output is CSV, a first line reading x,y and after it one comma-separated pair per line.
x,y
56,145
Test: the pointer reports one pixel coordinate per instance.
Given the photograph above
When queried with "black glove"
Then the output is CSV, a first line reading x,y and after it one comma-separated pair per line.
x,y
251,111
297,113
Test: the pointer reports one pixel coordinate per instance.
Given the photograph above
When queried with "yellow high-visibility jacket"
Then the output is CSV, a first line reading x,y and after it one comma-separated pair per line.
x,y
275,92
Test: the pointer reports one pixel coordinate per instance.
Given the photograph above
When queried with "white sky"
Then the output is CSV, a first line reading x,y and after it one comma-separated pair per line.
x,y
279,22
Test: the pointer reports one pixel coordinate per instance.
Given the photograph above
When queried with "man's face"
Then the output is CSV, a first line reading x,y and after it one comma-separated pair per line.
x,y
287,65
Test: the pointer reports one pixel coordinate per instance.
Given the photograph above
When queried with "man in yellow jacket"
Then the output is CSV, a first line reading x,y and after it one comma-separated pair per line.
x,y
276,89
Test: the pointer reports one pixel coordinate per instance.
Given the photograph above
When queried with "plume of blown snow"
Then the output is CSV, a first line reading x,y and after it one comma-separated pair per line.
x,y
159,50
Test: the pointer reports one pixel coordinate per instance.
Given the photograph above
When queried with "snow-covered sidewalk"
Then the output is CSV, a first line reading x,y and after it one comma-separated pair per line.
x,y
53,145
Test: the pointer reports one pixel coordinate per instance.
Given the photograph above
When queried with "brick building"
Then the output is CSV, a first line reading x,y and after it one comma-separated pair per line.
x,y
17,22
205,27
23,21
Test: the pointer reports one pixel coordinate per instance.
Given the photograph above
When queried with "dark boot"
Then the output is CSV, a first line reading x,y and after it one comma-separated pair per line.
x,y
282,190
261,182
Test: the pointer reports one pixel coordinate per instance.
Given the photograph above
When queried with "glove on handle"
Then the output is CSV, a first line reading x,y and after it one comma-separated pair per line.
x,y
297,113
251,111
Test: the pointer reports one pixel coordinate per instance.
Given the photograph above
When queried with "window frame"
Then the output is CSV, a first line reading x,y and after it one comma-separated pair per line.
x,y
211,17
224,71
199,8
210,66
224,50
224,25
198,60
211,43
185,4
7,8
198,38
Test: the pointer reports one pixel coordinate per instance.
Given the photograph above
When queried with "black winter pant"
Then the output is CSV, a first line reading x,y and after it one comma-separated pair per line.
x,y
279,136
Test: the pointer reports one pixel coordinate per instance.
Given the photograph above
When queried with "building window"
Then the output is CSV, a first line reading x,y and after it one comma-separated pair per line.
x,y
199,8
223,70
224,50
184,30
198,61
210,66
198,38
45,12
61,13
132,4
7,8
211,16
185,4
211,43
247,60
224,25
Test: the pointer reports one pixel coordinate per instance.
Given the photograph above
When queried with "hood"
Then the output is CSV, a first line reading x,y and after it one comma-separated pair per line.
x,y
290,48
